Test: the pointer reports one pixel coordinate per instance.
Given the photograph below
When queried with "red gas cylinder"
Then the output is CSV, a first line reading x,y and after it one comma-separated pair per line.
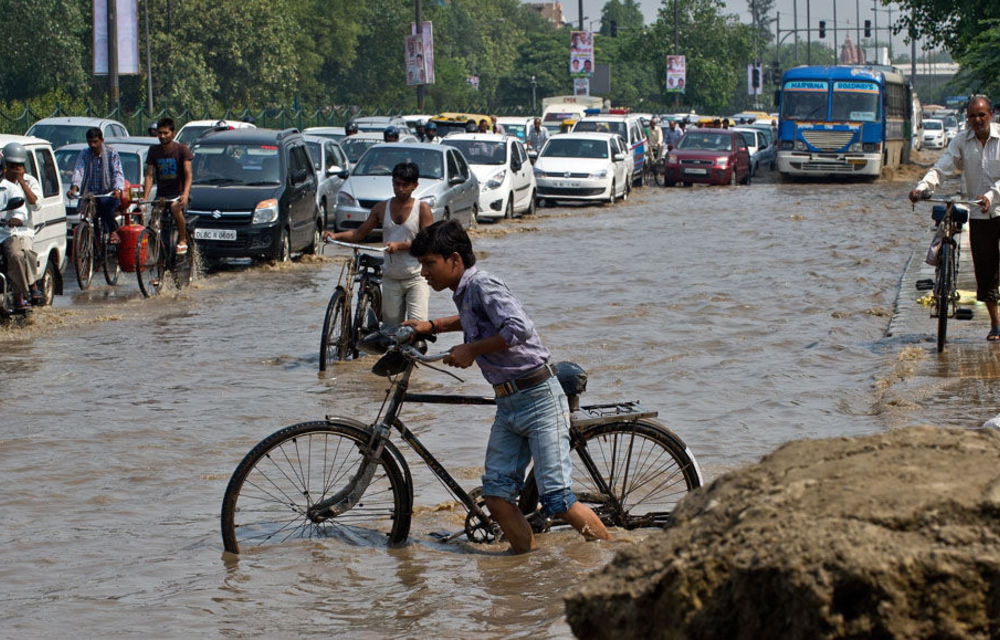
x,y
128,236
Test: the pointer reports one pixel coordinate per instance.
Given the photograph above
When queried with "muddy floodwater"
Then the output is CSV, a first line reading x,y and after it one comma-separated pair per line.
x,y
748,316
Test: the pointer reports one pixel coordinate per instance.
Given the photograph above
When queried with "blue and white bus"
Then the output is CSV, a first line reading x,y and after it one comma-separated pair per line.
x,y
843,121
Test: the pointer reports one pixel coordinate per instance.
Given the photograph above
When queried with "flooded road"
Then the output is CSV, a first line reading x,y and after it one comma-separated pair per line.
x,y
747,316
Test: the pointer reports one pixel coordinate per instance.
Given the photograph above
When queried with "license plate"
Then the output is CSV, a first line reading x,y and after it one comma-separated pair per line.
x,y
215,234
697,172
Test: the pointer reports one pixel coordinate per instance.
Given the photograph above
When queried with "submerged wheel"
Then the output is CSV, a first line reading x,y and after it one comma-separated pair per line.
x,y
270,492
83,253
49,282
509,211
942,293
335,343
532,206
645,466
368,315
612,197
283,252
110,258
150,262
660,174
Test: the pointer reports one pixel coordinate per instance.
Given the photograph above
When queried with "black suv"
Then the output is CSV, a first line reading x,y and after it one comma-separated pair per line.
x,y
253,192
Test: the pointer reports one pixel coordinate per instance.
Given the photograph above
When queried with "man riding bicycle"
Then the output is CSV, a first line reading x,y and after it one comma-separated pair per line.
x,y
170,163
98,169
655,139
976,153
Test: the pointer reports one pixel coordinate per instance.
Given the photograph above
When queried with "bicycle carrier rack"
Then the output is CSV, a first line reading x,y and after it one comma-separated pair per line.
x,y
614,412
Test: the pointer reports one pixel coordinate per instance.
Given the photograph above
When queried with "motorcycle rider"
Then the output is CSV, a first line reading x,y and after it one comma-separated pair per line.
x,y
17,235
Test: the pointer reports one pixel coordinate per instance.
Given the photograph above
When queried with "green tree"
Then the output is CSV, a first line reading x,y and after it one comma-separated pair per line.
x,y
947,23
626,15
45,48
980,61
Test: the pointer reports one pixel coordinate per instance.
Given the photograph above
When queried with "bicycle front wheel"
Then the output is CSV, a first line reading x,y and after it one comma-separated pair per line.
x,y
660,173
272,489
632,474
109,260
944,287
150,262
334,344
83,253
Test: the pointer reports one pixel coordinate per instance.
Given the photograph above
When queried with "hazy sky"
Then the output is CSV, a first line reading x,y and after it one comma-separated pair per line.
x,y
847,15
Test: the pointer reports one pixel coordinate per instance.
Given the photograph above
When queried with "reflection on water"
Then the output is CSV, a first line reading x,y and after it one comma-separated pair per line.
x,y
747,317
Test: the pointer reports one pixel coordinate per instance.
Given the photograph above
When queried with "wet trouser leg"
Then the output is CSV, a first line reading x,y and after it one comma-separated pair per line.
x,y
17,254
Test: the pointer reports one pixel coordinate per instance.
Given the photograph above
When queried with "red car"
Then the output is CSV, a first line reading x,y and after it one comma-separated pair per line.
x,y
712,156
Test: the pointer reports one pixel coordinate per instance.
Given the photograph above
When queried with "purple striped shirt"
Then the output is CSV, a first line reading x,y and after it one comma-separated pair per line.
x,y
486,308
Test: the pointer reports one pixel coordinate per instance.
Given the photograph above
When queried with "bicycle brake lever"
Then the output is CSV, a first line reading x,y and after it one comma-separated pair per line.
x,y
430,366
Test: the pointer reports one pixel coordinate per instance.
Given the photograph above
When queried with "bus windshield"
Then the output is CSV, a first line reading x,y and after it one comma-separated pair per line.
x,y
854,101
804,100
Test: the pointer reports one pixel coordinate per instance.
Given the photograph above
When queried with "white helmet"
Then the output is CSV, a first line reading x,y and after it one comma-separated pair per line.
x,y
15,152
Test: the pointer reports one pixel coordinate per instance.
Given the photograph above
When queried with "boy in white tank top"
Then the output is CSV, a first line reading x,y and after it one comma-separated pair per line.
x,y
404,293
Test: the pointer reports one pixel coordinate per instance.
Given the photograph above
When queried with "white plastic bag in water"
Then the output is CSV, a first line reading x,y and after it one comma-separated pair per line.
x,y
935,249
992,423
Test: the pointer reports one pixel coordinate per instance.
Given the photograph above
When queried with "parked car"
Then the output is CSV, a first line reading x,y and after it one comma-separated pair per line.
x,y
770,156
518,126
446,183
629,127
760,150
934,134
63,130
583,166
50,217
713,156
133,156
333,133
195,128
500,164
253,195
356,145
950,127
331,164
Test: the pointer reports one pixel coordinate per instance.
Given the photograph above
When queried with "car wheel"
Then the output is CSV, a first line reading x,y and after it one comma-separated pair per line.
x,y
509,211
324,214
283,252
626,191
532,204
611,197
317,239
732,178
49,283
474,218
746,180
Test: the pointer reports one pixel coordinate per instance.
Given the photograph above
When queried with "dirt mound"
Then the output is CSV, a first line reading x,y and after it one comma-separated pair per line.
x,y
887,536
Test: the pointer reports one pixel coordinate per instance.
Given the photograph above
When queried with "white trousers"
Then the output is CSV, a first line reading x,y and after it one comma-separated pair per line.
x,y
404,299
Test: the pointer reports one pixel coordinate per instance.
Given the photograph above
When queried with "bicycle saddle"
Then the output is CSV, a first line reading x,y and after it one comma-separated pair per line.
x,y
368,260
572,377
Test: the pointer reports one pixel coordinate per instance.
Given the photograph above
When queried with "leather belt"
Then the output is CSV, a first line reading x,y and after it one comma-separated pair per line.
x,y
535,376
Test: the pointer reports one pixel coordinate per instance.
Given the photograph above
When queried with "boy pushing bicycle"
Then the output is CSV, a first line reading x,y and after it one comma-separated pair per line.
x,y
532,419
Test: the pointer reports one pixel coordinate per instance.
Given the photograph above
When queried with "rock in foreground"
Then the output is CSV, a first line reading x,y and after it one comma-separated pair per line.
x,y
888,536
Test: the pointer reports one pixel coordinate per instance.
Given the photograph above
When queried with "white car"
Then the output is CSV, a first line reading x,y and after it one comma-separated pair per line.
x,y
63,130
629,127
333,133
49,218
193,129
506,182
934,134
356,145
950,127
583,166
519,126
332,167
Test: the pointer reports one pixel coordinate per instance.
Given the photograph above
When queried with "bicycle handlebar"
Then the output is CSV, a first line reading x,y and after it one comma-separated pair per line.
x,y
356,247
951,199
168,200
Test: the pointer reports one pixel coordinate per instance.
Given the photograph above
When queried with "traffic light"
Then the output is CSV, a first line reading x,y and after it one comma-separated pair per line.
x,y
755,75
776,73
614,28
868,28
822,28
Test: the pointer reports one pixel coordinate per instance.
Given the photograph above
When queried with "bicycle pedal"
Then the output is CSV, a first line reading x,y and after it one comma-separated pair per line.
x,y
925,285
963,314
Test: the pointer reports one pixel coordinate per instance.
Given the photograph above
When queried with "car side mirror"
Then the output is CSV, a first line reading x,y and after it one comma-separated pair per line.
x,y
343,173
14,203
618,157
456,179
332,170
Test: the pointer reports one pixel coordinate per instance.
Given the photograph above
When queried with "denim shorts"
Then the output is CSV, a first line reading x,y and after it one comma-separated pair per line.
x,y
531,424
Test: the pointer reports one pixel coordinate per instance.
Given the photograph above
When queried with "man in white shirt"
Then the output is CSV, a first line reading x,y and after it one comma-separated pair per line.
x,y
17,234
976,153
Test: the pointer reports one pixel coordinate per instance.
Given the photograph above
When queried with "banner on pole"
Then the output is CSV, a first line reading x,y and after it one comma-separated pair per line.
x,y
581,54
676,72
420,58
128,37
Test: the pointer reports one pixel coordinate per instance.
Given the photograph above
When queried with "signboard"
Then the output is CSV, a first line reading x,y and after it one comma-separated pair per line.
x,y
581,54
127,23
581,86
420,59
676,72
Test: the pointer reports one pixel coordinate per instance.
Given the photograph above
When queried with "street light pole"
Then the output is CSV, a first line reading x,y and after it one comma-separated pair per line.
x,y
112,55
581,15
419,21
677,95
809,27
149,64
533,85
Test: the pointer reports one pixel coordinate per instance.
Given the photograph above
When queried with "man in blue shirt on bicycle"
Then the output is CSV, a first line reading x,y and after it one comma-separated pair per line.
x,y
532,419
98,169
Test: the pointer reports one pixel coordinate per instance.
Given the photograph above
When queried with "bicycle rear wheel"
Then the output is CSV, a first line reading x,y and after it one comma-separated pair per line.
x,y
83,253
632,474
660,173
109,261
150,262
270,492
335,342
367,317
943,290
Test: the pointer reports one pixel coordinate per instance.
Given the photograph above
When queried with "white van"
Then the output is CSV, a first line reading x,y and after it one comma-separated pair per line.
x,y
49,219
629,127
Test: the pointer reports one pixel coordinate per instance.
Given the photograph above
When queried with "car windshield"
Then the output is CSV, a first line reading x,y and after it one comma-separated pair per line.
x,y
66,160
854,101
379,161
515,130
951,122
336,137
190,133
355,147
131,167
602,127
575,148
804,100
235,164
749,137
706,141
936,125
481,151
60,134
